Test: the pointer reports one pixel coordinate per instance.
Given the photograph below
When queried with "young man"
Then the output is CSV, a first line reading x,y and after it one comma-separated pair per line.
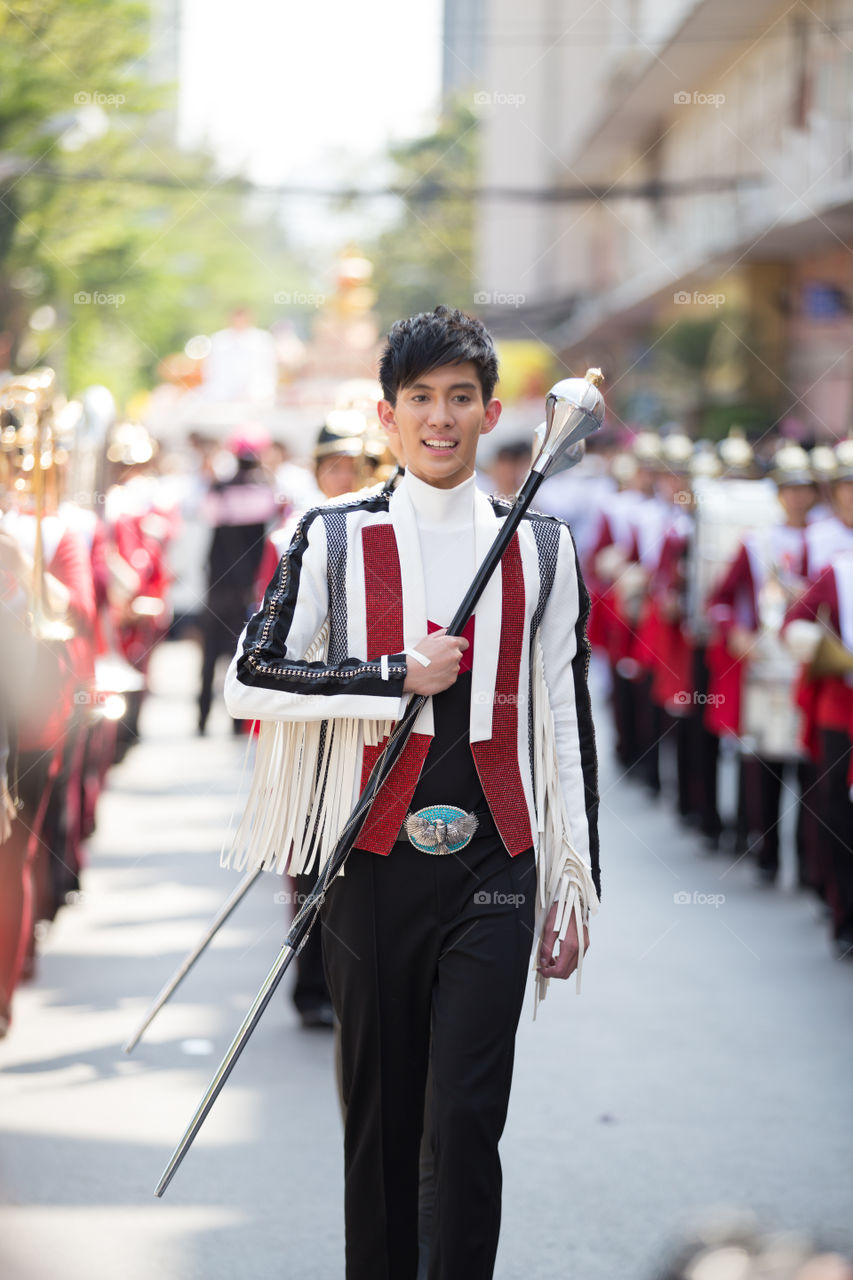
x,y
428,934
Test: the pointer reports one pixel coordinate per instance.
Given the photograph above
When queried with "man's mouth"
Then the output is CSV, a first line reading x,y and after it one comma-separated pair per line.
x,y
441,446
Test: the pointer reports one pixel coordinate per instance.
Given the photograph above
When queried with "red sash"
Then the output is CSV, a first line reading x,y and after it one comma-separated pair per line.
x,y
496,760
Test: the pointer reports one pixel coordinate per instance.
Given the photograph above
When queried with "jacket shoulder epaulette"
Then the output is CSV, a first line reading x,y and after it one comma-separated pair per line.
x,y
503,508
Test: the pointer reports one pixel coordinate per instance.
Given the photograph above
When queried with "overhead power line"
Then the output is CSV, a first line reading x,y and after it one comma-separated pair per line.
x,y
426,192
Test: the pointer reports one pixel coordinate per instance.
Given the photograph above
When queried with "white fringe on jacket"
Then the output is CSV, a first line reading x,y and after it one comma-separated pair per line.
x,y
302,788
302,794
563,876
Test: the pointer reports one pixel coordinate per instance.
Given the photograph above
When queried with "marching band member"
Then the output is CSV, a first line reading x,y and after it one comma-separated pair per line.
x,y
239,509
661,649
617,582
339,456
819,632
139,528
46,584
427,955
746,610
825,538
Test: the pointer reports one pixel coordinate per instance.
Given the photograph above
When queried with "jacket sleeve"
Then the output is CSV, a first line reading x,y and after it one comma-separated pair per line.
x,y
565,651
273,675
822,592
736,582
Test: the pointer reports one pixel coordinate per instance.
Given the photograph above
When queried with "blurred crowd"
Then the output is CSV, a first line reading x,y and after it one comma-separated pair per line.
x,y
108,546
721,585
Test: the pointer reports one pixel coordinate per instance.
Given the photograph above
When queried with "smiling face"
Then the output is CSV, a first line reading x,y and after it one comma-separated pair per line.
x,y
438,421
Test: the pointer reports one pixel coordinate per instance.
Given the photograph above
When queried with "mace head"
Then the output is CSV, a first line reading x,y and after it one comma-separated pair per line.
x,y
574,408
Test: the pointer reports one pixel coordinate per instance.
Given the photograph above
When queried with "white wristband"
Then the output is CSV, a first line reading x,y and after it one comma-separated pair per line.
x,y
383,666
418,657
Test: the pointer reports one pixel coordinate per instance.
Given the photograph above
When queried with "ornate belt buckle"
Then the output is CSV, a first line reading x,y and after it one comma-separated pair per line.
x,y
440,828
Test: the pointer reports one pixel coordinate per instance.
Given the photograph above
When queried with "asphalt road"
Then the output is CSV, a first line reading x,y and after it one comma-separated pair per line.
x,y
707,1062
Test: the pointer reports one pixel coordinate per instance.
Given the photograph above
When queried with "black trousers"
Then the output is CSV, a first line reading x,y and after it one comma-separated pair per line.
x,y
625,703
764,780
837,828
310,990
427,958
223,618
697,752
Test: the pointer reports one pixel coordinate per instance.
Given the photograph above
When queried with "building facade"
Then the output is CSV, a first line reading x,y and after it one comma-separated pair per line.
x,y
704,152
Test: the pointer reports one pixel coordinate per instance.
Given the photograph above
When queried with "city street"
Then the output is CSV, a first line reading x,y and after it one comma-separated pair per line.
x,y
707,1062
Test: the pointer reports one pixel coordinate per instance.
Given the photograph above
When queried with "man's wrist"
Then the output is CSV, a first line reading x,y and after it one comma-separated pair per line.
x,y
393,670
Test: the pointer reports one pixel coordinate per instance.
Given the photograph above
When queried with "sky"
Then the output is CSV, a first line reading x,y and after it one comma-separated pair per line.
x,y
306,90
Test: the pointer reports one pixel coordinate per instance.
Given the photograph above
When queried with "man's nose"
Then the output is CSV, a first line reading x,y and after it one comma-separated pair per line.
x,y
440,413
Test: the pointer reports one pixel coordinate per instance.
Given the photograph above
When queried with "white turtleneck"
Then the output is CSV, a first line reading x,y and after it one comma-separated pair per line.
x,y
445,519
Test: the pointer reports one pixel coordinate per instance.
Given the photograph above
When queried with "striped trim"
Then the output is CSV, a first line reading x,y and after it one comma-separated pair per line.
x,y
586,728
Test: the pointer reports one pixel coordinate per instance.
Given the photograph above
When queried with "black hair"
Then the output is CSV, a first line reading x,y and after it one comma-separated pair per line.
x,y
424,342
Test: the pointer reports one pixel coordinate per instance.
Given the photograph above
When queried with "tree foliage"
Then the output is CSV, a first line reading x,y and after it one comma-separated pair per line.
x,y
133,244
426,256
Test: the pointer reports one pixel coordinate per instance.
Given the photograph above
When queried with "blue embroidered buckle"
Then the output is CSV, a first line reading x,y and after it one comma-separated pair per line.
x,y
440,828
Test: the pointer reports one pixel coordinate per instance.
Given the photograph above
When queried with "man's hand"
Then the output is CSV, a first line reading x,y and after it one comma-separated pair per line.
x,y
445,654
740,641
567,961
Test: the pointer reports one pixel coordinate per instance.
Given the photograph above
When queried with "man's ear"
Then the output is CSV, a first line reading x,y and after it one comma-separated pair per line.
x,y
493,412
387,417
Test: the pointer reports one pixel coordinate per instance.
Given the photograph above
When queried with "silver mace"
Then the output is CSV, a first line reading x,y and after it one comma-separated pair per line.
x,y
574,408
